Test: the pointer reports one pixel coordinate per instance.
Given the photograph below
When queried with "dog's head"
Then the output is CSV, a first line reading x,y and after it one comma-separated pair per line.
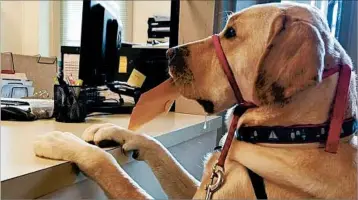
x,y
274,51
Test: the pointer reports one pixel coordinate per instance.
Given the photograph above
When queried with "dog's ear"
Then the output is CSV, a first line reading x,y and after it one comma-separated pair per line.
x,y
293,60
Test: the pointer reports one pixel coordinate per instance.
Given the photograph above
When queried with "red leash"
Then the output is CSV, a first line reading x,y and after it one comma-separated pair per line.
x,y
339,108
336,120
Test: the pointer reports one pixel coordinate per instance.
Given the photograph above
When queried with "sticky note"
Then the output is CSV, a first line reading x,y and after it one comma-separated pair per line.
x,y
122,64
79,82
136,79
56,81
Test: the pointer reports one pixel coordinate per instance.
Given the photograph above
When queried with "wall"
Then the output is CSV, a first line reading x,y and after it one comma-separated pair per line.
x,y
200,15
44,27
30,25
142,10
21,32
11,28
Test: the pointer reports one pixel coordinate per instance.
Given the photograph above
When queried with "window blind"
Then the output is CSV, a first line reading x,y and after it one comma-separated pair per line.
x,y
71,19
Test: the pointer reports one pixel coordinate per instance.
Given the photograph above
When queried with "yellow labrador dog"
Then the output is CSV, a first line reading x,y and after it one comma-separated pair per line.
x,y
286,83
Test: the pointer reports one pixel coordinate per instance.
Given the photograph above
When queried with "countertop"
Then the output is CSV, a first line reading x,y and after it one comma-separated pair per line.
x,y
20,165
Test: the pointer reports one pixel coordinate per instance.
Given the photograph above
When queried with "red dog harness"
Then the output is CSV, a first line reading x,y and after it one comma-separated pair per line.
x,y
335,122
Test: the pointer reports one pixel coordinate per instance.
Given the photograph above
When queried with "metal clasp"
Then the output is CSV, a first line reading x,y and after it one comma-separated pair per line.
x,y
217,179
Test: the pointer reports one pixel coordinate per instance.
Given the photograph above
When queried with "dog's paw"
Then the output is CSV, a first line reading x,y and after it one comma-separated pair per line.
x,y
98,133
60,146
129,141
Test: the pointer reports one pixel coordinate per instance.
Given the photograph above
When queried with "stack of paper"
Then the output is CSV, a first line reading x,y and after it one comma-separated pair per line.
x,y
16,86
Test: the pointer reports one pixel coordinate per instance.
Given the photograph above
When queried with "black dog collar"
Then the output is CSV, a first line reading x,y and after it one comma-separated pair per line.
x,y
293,134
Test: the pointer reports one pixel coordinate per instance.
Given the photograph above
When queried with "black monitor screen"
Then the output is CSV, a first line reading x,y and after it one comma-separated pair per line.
x,y
100,43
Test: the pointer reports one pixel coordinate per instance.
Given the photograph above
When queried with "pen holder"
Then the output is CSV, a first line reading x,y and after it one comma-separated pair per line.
x,y
70,104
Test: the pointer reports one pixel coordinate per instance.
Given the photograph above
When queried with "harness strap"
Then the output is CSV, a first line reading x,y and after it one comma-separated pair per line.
x,y
257,184
257,181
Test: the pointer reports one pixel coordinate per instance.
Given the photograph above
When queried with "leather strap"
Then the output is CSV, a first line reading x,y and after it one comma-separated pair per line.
x,y
242,104
339,108
329,72
230,136
258,185
227,70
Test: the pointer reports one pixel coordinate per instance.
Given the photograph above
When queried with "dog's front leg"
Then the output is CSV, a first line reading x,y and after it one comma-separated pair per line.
x,y
93,161
115,182
174,179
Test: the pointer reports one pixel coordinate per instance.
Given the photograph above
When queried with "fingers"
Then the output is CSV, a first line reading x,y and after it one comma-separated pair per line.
x,y
104,133
40,148
132,146
100,132
111,133
88,134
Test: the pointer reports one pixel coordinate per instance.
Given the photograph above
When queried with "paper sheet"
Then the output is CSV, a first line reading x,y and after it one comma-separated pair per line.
x,y
136,79
21,76
71,66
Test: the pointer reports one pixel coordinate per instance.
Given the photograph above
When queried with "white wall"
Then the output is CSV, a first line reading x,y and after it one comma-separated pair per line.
x,y
44,28
11,26
25,27
142,10
30,27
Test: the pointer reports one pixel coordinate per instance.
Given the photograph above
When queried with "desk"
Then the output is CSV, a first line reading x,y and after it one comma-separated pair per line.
x,y
23,175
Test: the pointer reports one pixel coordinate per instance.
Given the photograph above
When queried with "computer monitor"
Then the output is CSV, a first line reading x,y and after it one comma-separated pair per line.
x,y
100,45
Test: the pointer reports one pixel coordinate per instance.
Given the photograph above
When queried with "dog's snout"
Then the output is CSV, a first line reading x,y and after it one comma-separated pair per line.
x,y
171,53
177,58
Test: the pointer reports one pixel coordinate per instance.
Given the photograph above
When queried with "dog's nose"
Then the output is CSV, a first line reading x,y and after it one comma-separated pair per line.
x,y
171,53
176,57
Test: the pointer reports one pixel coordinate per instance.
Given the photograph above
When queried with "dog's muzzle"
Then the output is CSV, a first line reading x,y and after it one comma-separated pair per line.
x,y
176,58
335,123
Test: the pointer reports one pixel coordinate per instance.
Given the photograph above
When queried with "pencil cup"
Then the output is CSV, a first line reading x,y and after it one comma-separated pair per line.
x,y
70,104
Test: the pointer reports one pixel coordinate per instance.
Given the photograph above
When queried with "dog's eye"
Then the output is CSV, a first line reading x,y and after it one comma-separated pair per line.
x,y
230,32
